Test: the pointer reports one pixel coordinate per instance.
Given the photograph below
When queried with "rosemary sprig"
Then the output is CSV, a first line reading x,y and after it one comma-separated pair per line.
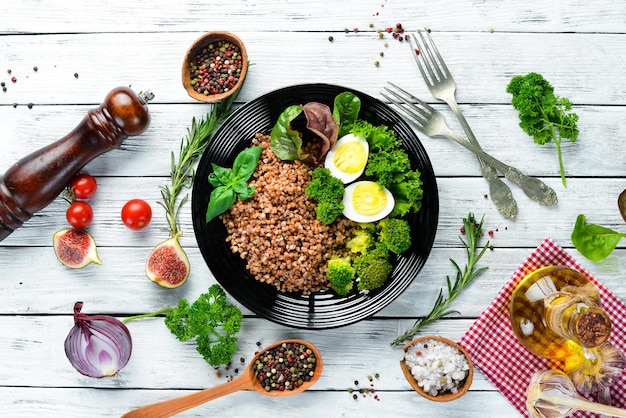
x,y
191,147
464,278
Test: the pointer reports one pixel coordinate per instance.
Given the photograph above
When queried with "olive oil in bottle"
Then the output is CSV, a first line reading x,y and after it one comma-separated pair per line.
x,y
556,310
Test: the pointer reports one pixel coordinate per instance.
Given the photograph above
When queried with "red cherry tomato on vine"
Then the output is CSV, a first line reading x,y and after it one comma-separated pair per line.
x,y
84,186
79,214
136,214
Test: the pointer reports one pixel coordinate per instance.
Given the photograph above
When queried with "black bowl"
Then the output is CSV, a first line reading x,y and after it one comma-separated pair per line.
x,y
321,309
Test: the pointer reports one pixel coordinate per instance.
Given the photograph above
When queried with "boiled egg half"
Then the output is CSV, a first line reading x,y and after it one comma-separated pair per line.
x,y
366,201
347,159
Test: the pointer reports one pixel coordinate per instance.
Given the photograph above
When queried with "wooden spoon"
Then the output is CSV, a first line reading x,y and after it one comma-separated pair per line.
x,y
247,381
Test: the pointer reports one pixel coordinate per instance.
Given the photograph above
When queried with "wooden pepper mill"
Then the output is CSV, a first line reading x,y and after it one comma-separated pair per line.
x,y
37,179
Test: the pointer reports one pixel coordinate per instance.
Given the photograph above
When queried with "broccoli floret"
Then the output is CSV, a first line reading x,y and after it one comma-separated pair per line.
x,y
324,186
362,240
327,191
395,234
340,274
327,212
373,268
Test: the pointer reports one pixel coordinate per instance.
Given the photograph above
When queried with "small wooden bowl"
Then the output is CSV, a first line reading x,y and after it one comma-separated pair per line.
x,y
444,397
190,57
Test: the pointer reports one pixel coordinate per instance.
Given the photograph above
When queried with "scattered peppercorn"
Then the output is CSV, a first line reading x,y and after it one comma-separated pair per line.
x,y
216,68
35,68
285,367
30,105
14,105
258,343
381,53
13,79
75,75
9,71
330,39
376,63
3,84
4,88
355,396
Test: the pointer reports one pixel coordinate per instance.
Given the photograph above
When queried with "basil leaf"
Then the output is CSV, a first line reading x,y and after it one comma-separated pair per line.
x,y
594,241
346,108
286,142
221,199
246,163
246,193
221,176
240,186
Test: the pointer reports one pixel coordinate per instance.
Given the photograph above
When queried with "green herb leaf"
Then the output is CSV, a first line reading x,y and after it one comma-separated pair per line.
x,y
221,176
464,277
246,162
593,241
221,199
346,110
543,115
285,141
232,183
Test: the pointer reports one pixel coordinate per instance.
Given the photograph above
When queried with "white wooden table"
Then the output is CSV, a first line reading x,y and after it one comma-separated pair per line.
x,y
579,46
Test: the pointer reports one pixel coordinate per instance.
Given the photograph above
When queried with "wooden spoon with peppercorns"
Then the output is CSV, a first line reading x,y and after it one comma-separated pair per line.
x,y
281,369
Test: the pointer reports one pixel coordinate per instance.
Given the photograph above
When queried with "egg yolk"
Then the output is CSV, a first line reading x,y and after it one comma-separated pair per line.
x,y
369,199
350,157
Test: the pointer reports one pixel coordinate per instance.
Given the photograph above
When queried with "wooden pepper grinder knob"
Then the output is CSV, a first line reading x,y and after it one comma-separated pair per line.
x,y
37,179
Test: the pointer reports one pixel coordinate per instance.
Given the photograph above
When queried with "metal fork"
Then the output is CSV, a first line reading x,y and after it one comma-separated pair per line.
x,y
431,122
443,87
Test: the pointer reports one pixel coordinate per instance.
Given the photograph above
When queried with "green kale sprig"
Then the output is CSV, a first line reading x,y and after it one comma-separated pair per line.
x,y
543,115
211,320
464,277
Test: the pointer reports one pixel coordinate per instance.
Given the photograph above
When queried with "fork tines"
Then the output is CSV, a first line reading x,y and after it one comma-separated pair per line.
x,y
418,114
426,51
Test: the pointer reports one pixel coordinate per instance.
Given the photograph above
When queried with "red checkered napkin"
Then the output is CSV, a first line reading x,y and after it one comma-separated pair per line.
x,y
496,351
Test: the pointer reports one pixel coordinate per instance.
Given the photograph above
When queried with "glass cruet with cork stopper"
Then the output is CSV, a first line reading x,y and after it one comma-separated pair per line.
x,y
556,313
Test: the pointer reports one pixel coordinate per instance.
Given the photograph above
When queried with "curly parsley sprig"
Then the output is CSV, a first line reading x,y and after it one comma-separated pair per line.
x,y
191,147
464,277
543,115
211,321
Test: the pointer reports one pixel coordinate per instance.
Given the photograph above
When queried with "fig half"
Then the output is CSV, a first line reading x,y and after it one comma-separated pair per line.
x,y
168,265
621,203
75,248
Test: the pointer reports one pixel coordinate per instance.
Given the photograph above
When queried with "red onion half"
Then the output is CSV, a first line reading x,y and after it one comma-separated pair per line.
x,y
98,345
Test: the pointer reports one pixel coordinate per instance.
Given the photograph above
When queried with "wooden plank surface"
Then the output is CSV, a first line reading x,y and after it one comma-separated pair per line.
x,y
84,49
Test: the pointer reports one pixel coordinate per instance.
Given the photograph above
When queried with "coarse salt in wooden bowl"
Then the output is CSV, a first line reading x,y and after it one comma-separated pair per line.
x,y
445,396
212,38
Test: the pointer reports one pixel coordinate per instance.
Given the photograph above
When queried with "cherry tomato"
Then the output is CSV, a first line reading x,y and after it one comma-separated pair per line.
x,y
84,186
136,214
79,214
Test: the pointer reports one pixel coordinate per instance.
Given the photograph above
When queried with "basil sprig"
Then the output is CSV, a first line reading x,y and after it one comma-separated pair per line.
x,y
231,184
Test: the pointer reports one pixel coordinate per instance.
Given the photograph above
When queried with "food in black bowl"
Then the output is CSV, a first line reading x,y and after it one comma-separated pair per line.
x,y
318,309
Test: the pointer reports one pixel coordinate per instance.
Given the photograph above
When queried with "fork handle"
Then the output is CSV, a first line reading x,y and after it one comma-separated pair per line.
x,y
499,191
534,188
